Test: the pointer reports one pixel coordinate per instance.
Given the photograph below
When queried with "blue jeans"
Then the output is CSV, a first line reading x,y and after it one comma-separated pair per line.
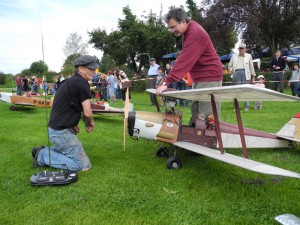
x,y
295,88
66,151
239,77
186,103
19,90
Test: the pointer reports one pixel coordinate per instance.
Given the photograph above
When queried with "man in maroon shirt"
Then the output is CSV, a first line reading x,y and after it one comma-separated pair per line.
x,y
198,57
19,85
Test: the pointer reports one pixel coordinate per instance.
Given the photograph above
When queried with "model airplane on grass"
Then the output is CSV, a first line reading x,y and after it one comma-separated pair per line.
x,y
206,137
103,108
24,101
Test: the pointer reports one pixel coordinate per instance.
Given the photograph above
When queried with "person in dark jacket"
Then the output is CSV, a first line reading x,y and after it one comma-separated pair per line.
x,y
278,65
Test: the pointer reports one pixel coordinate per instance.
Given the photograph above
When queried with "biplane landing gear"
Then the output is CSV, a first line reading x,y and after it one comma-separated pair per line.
x,y
173,163
162,152
12,108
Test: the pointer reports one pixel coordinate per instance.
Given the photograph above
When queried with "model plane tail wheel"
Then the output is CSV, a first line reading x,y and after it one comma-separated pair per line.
x,y
162,152
12,108
173,163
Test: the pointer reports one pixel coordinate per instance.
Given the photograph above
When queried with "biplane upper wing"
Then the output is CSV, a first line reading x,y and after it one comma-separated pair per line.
x,y
236,160
244,92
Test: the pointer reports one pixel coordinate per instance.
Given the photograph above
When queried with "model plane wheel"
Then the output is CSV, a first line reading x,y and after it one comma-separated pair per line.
x,y
173,163
162,152
12,108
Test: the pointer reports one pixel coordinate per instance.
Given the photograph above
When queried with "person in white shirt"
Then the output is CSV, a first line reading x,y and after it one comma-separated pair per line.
x,y
242,69
153,73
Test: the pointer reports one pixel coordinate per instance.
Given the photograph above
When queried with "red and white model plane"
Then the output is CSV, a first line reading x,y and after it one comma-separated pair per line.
x,y
205,138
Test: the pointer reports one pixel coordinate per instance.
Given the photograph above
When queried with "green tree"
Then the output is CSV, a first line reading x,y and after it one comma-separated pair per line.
x,y
107,63
26,72
134,36
215,21
68,67
2,78
39,68
261,23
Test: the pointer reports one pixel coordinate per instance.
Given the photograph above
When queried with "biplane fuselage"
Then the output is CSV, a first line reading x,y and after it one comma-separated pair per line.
x,y
25,101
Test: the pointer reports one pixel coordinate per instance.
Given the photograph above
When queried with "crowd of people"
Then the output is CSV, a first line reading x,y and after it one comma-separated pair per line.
x,y
34,85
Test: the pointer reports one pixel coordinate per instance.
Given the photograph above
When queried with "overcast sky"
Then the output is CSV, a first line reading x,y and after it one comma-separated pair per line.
x,y
21,22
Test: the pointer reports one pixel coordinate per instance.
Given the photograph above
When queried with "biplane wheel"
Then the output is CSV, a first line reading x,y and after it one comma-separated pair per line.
x,y
12,108
173,163
162,152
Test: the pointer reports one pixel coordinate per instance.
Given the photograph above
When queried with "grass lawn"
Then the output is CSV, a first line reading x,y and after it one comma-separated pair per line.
x,y
134,187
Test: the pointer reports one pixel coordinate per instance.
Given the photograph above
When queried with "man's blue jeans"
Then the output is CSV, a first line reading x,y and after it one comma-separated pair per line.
x,y
186,103
66,151
19,90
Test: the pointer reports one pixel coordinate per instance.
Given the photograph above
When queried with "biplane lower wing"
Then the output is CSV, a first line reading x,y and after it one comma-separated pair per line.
x,y
236,160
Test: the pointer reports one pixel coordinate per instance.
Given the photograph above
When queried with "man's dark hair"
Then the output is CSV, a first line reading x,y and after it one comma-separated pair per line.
x,y
178,14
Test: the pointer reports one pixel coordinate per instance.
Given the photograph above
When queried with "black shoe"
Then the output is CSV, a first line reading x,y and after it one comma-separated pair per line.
x,y
35,150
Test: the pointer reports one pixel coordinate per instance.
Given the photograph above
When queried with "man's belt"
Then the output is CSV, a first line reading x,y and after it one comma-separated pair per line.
x,y
239,69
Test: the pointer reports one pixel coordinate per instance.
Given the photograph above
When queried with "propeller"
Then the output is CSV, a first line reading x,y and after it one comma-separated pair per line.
x,y
126,111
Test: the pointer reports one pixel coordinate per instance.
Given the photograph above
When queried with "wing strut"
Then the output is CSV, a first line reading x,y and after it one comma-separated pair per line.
x,y
240,125
218,130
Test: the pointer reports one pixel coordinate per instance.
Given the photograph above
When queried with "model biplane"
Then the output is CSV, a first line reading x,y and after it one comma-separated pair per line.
x,y
16,100
205,138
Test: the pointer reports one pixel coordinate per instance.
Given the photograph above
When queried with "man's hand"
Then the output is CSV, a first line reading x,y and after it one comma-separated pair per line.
x,y
252,80
160,89
75,130
89,128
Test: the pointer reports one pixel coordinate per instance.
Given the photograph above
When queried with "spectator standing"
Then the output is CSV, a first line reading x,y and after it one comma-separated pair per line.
x,y
124,83
45,87
189,85
159,82
19,85
278,64
294,80
260,83
57,83
103,87
168,68
111,86
242,68
25,84
198,57
38,85
152,73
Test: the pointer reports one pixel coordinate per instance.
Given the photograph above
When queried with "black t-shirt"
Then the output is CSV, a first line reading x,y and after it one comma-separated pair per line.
x,y
67,108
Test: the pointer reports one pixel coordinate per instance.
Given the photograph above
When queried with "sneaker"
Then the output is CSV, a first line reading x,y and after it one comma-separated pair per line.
x,y
35,150
246,109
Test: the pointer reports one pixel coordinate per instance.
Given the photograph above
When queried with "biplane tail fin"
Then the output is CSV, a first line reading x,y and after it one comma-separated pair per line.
x,y
291,130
